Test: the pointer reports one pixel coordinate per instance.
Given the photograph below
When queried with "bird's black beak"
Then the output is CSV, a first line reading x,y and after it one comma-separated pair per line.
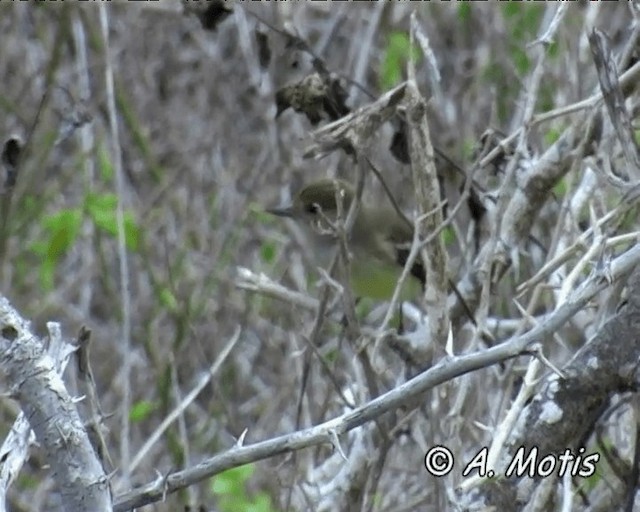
x,y
286,211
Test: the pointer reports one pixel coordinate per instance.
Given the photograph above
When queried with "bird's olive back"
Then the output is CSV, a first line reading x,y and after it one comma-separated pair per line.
x,y
323,194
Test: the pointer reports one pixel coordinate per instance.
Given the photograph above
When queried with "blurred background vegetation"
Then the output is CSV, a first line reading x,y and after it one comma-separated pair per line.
x,y
202,154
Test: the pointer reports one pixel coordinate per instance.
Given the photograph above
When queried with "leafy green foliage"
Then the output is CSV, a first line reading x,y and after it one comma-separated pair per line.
x,y
268,252
522,22
61,231
448,235
464,12
105,167
546,97
168,299
331,356
141,410
230,488
395,59
560,188
258,213
553,49
102,210
521,60
552,135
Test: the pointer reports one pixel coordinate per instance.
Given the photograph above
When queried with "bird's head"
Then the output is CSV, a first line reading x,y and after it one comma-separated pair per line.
x,y
318,202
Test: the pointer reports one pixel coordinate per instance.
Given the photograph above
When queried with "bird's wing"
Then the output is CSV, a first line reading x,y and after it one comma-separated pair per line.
x,y
394,245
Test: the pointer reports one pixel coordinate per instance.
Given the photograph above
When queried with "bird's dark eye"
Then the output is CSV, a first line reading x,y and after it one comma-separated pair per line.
x,y
312,208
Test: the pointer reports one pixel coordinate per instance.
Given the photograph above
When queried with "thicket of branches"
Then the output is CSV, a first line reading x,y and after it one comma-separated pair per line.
x,y
212,368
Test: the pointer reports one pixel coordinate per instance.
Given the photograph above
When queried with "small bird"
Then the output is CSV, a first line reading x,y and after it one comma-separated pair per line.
x,y
379,240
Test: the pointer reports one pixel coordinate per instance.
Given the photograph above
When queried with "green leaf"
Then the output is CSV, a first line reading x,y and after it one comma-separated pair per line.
x,y
232,495
268,252
141,411
46,274
546,97
464,12
63,230
510,9
261,215
168,299
231,482
102,209
395,59
231,503
332,356
560,188
448,235
552,135
39,247
521,60
131,232
468,148
522,22
261,503
60,233
105,166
